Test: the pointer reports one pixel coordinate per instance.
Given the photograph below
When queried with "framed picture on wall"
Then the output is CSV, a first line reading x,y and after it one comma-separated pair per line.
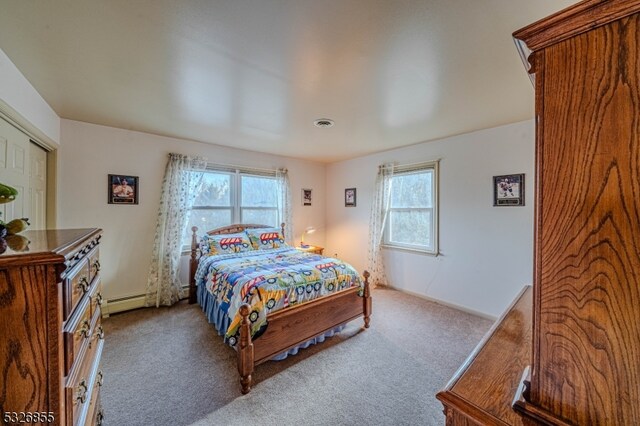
x,y
306,197
350,197
508,190
123,189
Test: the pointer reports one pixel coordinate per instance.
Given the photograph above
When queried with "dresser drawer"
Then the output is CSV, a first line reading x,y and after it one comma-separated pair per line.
x,y
97,332
94,263
95,295
99,417
94,415
77,333
81,384
76,284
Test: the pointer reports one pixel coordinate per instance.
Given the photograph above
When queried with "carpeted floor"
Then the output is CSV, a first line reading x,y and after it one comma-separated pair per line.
x,y
168,366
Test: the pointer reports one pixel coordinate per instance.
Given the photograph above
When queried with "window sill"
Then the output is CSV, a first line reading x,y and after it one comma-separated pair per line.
x,y
411,250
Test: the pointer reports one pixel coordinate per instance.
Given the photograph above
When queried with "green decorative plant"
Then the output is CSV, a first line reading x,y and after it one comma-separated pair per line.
x,y
7,193
9,231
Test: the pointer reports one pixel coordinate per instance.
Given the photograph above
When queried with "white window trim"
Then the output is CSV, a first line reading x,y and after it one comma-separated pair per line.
x,y
399,170
239,174
235,196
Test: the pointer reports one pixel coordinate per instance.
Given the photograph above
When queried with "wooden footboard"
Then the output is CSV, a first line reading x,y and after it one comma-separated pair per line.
x,y
293,326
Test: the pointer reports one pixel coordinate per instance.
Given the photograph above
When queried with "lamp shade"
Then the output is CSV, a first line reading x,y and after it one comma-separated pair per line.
x,y
308,230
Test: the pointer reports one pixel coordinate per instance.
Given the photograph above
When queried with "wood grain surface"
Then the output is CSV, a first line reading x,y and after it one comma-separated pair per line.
x,y
482,390
582,17
297,324
24,384
586,365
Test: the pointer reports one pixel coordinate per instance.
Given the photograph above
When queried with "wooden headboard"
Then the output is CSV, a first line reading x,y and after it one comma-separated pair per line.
x,y
195,255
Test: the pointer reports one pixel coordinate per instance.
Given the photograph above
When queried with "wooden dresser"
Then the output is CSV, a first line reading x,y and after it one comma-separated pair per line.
x,y
51,337
583,363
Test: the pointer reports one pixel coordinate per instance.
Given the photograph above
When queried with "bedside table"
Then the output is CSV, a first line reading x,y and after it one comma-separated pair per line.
x,y
312,249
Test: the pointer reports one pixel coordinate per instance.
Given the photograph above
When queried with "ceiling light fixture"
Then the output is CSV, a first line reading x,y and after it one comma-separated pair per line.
x,y
323,122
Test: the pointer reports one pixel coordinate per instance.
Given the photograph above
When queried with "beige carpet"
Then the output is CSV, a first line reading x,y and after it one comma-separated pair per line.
x,y
168,366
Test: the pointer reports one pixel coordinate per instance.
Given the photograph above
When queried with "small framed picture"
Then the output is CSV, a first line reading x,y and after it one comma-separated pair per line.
x,y
350,197
306,197
508,190
123,189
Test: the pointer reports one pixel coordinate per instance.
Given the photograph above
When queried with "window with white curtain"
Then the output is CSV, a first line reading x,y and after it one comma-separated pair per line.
x,y
234,196
412,219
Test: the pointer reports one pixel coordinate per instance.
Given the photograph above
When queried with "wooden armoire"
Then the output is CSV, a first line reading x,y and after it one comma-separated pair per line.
x,y
574,359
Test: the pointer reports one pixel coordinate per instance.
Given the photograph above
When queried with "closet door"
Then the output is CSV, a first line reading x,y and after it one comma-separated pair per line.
x,y
37,187
14,169
23,165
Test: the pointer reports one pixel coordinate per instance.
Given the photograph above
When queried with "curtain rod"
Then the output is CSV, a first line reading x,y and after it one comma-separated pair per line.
x,y
402,166
209,164
247,168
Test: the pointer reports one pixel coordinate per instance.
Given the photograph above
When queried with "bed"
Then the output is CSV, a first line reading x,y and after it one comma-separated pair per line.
x,y
262,316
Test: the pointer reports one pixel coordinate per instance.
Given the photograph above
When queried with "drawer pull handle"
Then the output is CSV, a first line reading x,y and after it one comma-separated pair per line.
x,y
100,417
81,391
96,265
84,329
100,333
99,299
100,378
83,284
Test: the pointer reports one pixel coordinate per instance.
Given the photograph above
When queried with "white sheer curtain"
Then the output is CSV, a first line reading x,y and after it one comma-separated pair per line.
x,y
182,177
377,221
284,203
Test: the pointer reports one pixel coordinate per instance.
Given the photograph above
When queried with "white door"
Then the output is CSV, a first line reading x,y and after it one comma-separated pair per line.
x,y
37,187
23,165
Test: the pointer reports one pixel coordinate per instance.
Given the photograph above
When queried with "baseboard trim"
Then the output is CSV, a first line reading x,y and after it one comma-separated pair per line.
x,y
130,303
123,304
443,303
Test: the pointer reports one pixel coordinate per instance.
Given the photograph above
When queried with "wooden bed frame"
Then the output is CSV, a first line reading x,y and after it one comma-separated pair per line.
x,y
287,327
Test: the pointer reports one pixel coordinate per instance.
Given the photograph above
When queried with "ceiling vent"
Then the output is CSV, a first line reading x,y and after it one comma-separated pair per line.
x,y
323,122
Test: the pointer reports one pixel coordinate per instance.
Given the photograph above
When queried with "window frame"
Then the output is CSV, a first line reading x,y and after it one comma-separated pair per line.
x,y
235,196
433,166
232,196
239,200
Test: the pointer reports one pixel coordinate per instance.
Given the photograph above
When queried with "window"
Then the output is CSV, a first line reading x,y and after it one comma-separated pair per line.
x,y
234,196
412,220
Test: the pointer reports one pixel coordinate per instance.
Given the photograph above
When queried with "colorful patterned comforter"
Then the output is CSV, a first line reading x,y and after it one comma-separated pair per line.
x,y
267,280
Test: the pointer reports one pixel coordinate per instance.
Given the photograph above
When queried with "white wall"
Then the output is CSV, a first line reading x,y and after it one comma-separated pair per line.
x,y
23,104
487,252
90,152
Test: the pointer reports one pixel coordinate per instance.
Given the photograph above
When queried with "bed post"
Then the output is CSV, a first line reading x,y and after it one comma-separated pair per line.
x,y
193,264
367,299
245,350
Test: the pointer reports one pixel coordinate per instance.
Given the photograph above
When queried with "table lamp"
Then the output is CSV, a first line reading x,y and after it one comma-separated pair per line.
x,y
309,230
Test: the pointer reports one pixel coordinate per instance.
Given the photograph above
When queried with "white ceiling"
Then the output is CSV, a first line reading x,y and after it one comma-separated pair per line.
x,y
255,74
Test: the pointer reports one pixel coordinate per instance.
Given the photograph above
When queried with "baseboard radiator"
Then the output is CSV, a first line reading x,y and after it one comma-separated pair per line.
x,y
129,303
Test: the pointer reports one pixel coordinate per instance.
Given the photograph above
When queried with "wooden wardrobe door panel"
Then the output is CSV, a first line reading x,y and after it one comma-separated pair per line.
x,y
588,273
